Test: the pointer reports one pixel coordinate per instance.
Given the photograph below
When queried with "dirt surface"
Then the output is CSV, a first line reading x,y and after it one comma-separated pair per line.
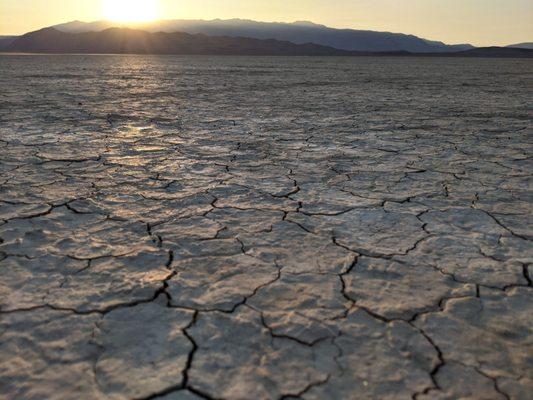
x,y
258,228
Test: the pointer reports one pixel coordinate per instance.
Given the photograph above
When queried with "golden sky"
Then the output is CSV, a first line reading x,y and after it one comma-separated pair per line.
x,y
479,22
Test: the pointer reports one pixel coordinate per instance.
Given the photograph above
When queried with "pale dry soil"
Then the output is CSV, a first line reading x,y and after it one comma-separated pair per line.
x,y
255,228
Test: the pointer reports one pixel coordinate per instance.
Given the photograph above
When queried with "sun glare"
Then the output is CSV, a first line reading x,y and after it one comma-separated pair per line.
x,y
131,10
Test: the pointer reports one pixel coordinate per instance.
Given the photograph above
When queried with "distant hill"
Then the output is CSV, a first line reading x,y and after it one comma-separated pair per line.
x,y
522,46
497,52
131,41
134,41
6,41
298,32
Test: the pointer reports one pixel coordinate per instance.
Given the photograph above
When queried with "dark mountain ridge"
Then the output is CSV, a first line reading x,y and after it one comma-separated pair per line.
x,y
528,45
299,32
133,41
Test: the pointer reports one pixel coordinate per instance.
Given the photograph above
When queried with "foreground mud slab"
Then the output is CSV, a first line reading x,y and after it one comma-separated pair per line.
x,y
240,228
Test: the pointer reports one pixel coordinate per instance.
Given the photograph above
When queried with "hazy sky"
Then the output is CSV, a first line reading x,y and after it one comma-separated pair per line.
x,y
480,22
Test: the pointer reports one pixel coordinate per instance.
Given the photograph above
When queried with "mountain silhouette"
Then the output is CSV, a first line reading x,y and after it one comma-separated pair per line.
x,y
133,41
522,46
494,51
300,32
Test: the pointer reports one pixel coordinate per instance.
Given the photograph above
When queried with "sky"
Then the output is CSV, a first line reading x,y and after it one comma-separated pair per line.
x,y
479,22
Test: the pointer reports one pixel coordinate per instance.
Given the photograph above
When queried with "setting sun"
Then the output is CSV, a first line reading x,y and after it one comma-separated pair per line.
x,y
131,10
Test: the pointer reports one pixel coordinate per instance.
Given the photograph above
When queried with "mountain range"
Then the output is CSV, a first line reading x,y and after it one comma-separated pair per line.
x,y
134,41
236,37
298,32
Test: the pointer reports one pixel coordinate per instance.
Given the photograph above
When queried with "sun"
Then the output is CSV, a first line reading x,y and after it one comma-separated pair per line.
x,y
130,10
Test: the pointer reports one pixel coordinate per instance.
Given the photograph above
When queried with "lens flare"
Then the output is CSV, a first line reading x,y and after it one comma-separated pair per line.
x,y
125,11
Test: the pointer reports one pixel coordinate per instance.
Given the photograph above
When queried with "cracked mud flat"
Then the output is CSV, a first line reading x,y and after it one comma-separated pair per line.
x,y
254,228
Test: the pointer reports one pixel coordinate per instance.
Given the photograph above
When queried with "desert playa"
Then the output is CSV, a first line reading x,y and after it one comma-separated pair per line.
x,y
205,227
